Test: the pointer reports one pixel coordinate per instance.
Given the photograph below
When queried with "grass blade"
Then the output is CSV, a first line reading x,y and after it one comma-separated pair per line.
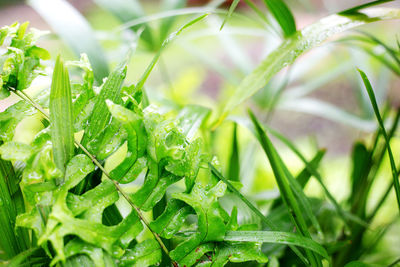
x,y
171,37
283,16
264,219
230,12
371,95
276,237
73,28
299,43
285,181
234,164
61,116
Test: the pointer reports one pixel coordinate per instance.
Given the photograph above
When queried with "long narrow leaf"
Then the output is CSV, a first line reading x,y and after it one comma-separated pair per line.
x,y
263,218
276,237
234,164
74,29
171,37
61,116
230,12
371,95
283,16
299,43
282,178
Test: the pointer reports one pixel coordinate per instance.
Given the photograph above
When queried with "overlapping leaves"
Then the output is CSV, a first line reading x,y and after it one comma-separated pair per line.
x,y
66,208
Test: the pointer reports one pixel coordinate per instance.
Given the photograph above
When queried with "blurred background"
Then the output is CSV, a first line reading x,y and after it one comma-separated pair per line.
x,y
319,102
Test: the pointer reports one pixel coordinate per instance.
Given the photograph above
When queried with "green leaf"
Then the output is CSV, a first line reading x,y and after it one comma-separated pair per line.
x,y
61,116
283,16
371,95
276,237
230,12
166,24
100,116
238,252
143,254
263,218
171,220
211,226
191,118
12,241
15,151
299,43
234,163
287,187
73,28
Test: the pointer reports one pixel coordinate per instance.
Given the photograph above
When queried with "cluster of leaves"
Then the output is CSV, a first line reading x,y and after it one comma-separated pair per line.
x,y
57,185
71,210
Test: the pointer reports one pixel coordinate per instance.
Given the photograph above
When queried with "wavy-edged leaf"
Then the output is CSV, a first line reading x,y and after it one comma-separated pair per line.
x,y
171,220
143,254
211,225
371,95
15,151
299,43
100,116
136,137
283,16
61,116
276,237
73,28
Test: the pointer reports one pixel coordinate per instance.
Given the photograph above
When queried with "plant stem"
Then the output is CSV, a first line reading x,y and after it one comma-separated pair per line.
x,y
27,98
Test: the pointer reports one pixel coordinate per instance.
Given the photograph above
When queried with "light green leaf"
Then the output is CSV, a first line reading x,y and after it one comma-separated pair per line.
x,y
191,117
276,237
100,116
15,151
299,43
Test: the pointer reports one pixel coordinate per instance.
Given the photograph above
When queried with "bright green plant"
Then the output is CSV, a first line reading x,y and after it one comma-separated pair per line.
x,y
162,201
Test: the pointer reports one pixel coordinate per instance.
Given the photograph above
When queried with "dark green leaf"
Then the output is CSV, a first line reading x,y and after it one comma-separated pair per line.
x,y
371,95
283,16
61,116
285,184
276,237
